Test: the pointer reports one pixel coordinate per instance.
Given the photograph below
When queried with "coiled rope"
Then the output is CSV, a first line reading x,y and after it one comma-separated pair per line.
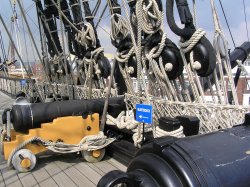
x,y
126,120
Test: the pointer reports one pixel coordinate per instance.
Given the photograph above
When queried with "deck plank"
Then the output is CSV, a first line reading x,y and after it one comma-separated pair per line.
x,y
40,175
104,166
63,180
78,177
87,171
48,183
27,179
117,164
95,168
2,183
10,176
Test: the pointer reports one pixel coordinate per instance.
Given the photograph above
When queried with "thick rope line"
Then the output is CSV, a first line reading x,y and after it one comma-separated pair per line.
x,y
88,143
224,61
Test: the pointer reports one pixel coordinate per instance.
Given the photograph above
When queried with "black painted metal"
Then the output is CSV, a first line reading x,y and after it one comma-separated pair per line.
x,y
203,51
28,116
216,159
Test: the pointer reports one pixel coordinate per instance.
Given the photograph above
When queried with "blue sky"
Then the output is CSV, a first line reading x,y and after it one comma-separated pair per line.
x,y
233,8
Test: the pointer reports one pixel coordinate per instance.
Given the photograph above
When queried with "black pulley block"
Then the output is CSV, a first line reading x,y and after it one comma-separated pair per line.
x,y
133,63
170,56
104,65
203,52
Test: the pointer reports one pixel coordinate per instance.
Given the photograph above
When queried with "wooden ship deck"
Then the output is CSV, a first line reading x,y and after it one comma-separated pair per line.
x,y
56,170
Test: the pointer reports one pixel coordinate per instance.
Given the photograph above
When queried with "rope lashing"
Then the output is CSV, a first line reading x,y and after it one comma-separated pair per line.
x,y
88,143
126,120
122,121
176,133
87,36
118,27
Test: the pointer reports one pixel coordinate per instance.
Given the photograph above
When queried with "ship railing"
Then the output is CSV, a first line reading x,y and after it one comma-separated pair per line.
x,y
11,86
212,116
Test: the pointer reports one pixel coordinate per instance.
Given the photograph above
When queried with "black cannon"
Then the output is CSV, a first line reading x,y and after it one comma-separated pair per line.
x,y
30,115
216,159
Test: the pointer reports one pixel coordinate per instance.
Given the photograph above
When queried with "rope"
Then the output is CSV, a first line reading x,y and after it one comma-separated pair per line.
x,y
189,44
126,120
8,125
227,23
87,36
119,26
121,57
222,57
194,12
94,55
88,143
149,16
123,120
244,4
63,45
20,147
176,133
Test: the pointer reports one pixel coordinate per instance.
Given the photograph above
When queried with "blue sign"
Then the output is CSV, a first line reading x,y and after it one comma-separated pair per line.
x,y
23,82
144,113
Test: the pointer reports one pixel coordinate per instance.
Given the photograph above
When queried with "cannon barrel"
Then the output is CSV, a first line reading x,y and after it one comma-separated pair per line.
x,y
28,116
216,159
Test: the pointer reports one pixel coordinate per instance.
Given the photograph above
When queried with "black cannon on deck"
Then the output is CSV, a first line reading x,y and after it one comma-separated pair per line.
x,y
25,116
216,159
